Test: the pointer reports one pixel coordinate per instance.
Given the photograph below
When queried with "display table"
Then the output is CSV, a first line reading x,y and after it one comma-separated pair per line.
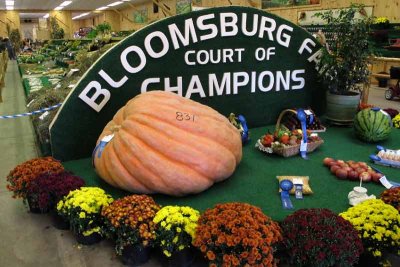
x,y
255,181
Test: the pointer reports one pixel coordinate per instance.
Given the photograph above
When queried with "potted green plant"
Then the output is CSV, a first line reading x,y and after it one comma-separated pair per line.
x,y
344,65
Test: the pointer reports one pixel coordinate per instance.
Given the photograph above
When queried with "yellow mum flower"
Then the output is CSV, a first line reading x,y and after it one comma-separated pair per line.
x,y
167,253
377,253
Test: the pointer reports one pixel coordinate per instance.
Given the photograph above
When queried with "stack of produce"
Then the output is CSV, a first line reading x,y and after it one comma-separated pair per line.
x,y
352,170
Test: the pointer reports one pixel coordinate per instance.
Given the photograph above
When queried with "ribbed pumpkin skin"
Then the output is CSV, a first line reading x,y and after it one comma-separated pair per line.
x,y
153,152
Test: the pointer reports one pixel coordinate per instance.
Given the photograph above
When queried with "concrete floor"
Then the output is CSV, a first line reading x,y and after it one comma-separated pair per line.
x,y
28,239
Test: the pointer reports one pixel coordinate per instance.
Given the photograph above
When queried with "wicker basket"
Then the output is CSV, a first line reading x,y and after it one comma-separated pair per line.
x,y
287,151
287,111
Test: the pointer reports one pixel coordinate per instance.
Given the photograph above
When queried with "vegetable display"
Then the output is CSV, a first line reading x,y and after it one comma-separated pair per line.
x,y
165,143
352,170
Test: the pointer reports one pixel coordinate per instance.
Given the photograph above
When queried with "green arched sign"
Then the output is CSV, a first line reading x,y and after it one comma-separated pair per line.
x,y
234,59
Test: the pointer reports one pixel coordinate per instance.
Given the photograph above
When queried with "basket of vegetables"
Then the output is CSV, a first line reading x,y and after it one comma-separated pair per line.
x,y
286,142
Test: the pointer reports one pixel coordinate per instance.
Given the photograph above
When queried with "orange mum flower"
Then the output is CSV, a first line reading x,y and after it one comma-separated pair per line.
x,y
241,241
21,176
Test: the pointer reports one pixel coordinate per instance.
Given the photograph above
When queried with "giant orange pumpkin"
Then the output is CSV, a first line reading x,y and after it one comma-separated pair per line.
x,y
165,143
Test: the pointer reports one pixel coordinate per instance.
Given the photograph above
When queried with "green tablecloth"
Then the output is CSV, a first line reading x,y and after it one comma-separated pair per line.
x,y
255,181
27,87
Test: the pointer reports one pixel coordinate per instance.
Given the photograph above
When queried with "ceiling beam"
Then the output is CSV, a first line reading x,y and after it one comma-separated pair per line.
x,y
252,3
61,21
125,17
169,13
131,5
10,21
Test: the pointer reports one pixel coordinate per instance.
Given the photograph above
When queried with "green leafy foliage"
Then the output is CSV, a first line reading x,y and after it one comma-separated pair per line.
x,y
15,38
56,31
345,64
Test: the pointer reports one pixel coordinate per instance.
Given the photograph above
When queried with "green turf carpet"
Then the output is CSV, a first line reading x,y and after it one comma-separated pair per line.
x,y
254,181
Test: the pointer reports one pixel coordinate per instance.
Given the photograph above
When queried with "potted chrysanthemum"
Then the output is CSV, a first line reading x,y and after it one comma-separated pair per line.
x,y
237,234
319,237
175,231
22,175
49,188
82,208
392,197
378,225
129,221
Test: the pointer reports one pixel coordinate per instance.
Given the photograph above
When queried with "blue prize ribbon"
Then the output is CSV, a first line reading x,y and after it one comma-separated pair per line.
x,y
301,115
245,134
286,186
99,149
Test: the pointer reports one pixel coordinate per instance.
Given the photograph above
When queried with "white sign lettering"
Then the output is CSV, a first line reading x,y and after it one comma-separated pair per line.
x,y
158,44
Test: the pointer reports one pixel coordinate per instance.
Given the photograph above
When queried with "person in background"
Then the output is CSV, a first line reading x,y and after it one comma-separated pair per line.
x,y
2,45
10,49
27,47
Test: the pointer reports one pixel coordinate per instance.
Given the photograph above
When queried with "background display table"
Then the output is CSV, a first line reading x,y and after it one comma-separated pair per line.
x,y
255,182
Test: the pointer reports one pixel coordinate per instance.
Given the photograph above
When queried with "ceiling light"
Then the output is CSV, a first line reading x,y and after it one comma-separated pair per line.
x,y
59,8
80,15
101,8
115,3
46,16
65,3
9,3
10,7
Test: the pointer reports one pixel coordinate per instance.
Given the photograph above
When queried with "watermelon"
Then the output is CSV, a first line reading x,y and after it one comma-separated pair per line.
x,y
372,125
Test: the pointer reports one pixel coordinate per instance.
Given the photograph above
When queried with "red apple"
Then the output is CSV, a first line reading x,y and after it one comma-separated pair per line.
x,y
365,176
360,170
353,175
363,165
340,161
347,168
354,165
376,176
327,161
350,162
343,165
341,174
333,162
334,168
